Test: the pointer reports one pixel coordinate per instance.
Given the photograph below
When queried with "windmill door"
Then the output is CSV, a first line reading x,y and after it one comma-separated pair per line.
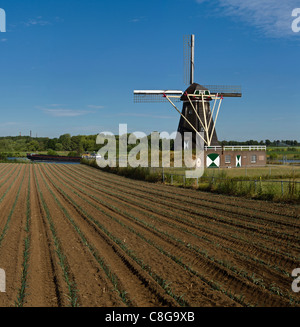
x,y
213,160
238,161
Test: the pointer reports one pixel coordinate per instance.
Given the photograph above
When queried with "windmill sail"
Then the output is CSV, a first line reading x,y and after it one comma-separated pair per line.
x,y
149,96
188,58
231,91
196,115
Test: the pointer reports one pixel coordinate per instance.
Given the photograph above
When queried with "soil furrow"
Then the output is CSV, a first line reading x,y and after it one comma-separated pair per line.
x,y
212,268
11,241
236,219
134,281
172,214
276,209
75,235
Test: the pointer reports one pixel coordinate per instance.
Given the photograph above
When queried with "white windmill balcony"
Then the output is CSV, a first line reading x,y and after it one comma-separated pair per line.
x,y
237,148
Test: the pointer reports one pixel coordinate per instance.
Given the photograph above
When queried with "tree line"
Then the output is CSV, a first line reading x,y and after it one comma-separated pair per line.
x,y
79,144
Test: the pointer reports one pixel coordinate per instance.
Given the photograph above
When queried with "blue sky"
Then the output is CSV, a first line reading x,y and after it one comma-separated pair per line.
x,y
71,66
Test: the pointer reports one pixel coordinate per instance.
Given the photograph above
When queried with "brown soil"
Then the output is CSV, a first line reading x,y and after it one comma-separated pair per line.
x,y
98,239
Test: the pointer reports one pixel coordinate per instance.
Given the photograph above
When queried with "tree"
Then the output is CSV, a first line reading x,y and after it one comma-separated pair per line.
x,y
65,140
77,144
51,143
59,147
33,145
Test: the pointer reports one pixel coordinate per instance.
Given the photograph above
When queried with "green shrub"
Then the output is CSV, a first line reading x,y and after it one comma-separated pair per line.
x,y
138,173
52,153
72,154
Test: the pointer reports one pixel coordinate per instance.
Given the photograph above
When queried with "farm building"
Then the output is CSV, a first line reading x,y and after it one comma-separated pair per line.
x,y
235,156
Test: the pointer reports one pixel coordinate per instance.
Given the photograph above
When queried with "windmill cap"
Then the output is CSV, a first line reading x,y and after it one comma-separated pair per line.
x,y
191,90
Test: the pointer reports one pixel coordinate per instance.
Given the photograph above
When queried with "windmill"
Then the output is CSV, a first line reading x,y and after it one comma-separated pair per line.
x,y
196,115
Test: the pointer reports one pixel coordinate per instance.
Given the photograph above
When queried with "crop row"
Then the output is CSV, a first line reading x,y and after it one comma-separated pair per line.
x,y
160,280
254,221
211,200
200,221
251,277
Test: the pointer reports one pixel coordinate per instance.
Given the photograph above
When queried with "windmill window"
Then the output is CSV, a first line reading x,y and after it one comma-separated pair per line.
x,y
190,111
199,92
253,158
228,158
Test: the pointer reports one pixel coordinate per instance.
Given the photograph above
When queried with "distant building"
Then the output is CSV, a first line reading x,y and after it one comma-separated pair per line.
x,y
235,156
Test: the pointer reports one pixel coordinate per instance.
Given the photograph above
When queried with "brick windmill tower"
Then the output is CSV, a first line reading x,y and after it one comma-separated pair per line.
x,y
201,103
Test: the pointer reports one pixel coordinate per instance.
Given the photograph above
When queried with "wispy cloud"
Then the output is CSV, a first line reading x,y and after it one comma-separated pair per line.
x,y
93,106
137,19
133,114
37,21
40,21
271,17
65,112
3,40
55,105
9,123
61,112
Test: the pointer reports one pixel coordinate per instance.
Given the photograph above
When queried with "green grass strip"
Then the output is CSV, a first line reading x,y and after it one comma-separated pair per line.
x,y
21,294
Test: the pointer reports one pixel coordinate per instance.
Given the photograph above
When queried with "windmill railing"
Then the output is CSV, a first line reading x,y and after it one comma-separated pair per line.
x,y
237,148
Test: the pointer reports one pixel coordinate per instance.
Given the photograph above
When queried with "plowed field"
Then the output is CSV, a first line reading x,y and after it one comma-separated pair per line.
x,y
71,235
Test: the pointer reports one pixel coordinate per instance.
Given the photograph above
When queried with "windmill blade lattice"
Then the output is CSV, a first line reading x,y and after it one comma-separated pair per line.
x,y
188,59
225,90
150,96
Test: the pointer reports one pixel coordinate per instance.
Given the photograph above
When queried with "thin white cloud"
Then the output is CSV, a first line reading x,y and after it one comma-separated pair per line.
x,y
137,19
132,114
3,40
134,20
54,105
271,17
9,123
65,112
93,106
38,21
